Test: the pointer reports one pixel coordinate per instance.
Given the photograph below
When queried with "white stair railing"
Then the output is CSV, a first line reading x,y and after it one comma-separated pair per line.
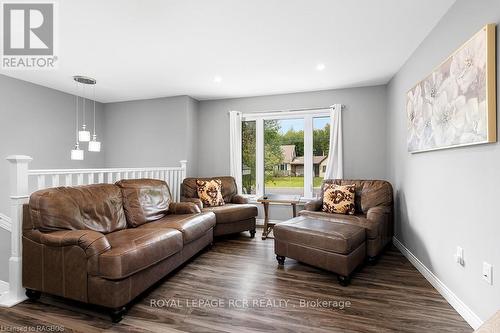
x,y
40,179
24,181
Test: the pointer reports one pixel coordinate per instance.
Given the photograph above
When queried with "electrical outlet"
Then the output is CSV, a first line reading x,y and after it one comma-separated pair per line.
x,y
459,256
487,272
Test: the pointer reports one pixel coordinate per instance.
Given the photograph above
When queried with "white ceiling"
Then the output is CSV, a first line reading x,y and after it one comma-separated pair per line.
x,y
145,49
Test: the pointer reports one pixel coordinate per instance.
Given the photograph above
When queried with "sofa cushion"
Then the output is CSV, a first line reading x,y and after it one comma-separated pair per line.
x,y
91,207
338,199
144,200
320,234
233,212
373,228
229,189
135,249
192,226
210,192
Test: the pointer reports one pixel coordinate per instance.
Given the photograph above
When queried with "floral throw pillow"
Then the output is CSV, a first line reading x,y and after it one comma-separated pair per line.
x,y
210,192
339,199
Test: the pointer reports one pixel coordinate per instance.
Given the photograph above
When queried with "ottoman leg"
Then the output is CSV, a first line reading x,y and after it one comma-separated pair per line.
x,y
117,314
281,260
371,260
344,280
252,233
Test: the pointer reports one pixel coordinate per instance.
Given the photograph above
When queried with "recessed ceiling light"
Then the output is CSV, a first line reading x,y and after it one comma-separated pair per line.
x,y
320,67
217,79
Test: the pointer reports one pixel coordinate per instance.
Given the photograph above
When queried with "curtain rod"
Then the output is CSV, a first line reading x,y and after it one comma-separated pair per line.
x,y
297,110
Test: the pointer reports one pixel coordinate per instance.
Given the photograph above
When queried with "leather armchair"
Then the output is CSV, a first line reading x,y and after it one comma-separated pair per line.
x,y
235,216
374,212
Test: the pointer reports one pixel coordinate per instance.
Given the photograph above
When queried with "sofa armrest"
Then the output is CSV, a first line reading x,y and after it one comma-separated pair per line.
x,y
314,205
92,242
183,208
196,201
378,213
239,199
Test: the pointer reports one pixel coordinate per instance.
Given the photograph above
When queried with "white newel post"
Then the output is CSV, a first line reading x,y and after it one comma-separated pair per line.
x,y
184,168
19,193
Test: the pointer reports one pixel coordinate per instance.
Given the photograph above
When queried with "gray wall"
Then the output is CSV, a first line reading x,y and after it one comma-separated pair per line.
x,y
154,132
39,122
363,121
364,127
449,197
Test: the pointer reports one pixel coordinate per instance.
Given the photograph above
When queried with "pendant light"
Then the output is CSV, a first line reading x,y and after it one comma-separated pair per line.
x,y
94,145
76,152
84,134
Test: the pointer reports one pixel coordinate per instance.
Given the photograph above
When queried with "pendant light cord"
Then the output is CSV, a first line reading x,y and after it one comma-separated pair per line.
x,y
76,111
83,88
93,88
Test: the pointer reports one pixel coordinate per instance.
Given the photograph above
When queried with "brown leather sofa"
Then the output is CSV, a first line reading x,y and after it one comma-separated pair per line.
x,y
235,216
106,244
374,212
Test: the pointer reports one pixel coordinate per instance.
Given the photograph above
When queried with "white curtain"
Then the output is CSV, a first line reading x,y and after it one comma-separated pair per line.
x,y
334,166
235,147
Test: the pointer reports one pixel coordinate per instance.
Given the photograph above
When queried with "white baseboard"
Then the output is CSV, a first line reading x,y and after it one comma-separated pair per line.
x,y
5,222
470,317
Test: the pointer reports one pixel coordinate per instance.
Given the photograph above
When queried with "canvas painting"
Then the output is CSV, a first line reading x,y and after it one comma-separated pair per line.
x,y
456,104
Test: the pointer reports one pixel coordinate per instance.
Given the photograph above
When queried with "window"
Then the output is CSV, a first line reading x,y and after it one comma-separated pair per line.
x,y
321,145
283,167
285,152
284,156
248,142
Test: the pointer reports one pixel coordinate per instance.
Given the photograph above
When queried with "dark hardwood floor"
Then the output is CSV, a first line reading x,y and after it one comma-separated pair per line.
x,y
390,296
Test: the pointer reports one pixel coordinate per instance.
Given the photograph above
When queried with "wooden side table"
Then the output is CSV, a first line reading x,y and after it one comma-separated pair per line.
x,y
280,199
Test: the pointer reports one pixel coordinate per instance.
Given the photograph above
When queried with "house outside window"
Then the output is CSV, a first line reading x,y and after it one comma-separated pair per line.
x,y
285,152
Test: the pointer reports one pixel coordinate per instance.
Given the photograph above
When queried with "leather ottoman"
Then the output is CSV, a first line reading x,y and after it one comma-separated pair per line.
x,y
336,247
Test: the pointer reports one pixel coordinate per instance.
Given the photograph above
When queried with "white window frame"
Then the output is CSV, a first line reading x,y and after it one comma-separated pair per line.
x,y
308,116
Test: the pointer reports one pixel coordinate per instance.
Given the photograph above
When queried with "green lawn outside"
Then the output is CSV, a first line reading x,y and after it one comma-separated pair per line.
x,y
291,182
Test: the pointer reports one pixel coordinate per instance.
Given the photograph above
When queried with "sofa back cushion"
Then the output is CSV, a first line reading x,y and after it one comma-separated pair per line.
x,y
228,187
144,200
90,207
369,193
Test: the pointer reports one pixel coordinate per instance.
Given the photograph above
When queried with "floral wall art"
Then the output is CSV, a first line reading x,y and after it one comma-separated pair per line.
x,y
456,104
